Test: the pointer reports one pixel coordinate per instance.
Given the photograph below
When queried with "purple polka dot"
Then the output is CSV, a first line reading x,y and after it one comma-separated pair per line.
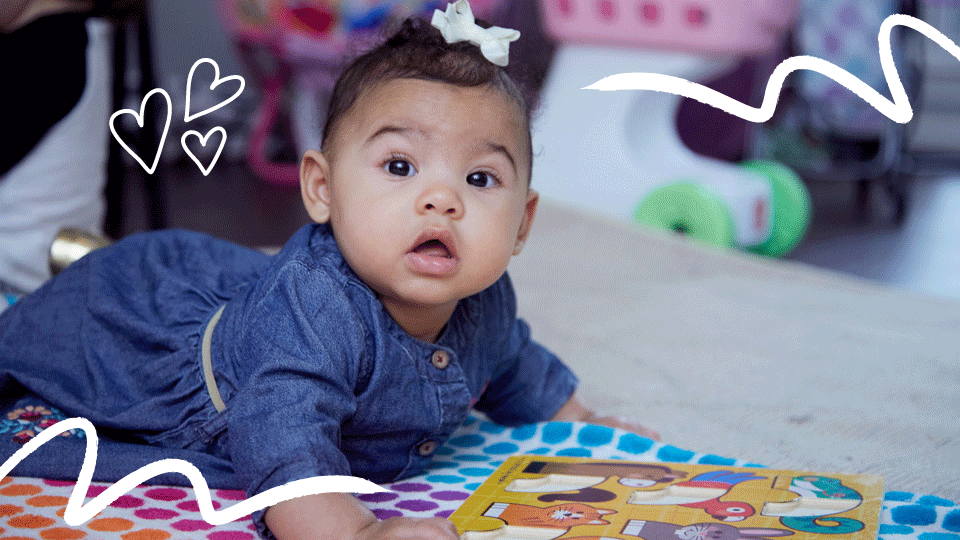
x,y
156,513
383,513
194,506
382,496
127,501
231,494
93,491
417,505
229,535
191,525
166,494
58,483
444,513
408,487
450,495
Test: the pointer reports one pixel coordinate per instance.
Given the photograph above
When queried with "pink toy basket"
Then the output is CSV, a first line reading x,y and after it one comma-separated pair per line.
x,y
740,27
309,39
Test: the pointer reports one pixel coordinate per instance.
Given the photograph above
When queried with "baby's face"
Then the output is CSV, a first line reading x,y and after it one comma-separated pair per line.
x,y
426,189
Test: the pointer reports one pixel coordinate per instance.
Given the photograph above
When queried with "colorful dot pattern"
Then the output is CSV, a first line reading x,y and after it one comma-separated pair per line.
x,y
33,508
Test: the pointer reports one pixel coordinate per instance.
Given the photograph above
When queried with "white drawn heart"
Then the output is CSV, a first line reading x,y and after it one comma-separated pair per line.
x,y
203,142
140,118
217,81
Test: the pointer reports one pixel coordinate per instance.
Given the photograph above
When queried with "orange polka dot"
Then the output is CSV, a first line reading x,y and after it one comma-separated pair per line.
x,y
62,533
5,480
61,512
41,501
20,490
9,509
110,524
147,534
29,521
16,538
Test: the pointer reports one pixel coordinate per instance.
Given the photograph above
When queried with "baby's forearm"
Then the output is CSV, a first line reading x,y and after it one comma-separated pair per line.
x,y
334,516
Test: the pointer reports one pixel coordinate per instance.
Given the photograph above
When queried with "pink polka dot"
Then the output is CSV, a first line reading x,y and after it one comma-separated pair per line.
x,y
229,535
127,501
93,491
190,525
166,494
231,494
194,506
156,513
252,527
58,483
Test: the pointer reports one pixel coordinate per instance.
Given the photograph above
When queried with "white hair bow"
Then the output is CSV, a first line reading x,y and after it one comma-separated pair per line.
x,y
458,24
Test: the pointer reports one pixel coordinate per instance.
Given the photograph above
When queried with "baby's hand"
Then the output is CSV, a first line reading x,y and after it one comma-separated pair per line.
x,y
625,423
404,528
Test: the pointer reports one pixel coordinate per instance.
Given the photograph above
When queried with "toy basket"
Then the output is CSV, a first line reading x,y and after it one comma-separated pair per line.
x,y
725,26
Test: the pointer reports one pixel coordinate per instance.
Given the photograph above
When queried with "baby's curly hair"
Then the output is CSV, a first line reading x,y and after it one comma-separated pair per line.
x,y
418,51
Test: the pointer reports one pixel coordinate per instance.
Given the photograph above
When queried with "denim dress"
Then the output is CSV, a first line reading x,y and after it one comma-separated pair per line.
x,y
315,377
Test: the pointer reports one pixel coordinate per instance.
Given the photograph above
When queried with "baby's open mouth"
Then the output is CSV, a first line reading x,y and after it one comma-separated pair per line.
x,y
433,248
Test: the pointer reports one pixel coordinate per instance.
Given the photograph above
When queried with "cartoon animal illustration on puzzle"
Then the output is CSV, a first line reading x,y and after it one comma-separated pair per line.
x,y
612,499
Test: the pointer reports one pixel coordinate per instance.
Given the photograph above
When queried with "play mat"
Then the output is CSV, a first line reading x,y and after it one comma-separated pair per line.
x,y
32,508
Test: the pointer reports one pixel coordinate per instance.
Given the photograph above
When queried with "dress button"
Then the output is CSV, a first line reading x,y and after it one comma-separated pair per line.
x,y
440,359
427,448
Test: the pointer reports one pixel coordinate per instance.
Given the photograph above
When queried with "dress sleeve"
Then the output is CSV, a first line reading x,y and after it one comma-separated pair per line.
x,y
284,424
529,383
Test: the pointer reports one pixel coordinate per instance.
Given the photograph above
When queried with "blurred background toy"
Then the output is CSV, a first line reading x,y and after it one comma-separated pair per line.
x,y
618,153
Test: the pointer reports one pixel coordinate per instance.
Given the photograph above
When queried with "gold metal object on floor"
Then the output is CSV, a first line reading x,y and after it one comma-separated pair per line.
x,y
70,245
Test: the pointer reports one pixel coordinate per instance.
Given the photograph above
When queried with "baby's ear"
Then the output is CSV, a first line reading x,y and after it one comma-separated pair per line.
x,y
529,212
314,185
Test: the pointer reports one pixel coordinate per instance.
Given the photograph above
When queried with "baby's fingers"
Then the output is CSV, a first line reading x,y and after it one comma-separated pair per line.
x,y
628,424
403,528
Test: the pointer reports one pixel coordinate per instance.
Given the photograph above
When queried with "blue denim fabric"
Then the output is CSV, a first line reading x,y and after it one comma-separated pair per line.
x,y
316,376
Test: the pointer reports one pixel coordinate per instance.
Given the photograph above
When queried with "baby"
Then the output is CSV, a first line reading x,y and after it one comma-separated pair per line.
x,y
360,347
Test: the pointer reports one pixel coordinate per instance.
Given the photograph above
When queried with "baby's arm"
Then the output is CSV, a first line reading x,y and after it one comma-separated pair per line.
x,y
574,411
340,516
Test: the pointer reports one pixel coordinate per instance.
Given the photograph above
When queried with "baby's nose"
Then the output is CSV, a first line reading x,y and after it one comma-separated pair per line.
x,y
442,200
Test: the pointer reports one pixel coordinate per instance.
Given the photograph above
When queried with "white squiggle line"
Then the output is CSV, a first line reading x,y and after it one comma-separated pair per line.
x,y
78,513
898,110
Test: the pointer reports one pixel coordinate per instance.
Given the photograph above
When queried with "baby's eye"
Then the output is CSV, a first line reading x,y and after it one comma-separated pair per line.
x,y
482,179
399,167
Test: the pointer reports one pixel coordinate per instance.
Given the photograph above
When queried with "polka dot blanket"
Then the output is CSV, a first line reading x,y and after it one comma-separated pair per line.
x,y
33,508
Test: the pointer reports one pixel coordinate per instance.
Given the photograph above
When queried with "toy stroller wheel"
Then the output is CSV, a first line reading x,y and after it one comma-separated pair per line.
x,y
790,205
690,209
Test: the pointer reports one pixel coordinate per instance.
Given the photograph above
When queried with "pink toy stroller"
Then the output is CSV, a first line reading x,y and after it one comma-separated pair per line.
x,y
295,49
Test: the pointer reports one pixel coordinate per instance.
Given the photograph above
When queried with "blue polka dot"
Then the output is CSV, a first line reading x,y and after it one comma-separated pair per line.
x,y
575,452
898,496
445,451
755,465
591,435
465,441
473,457
476,471
488,427
894,529
634,444
472,486
442,465
711,459
951,521
523,433
496,463
672,453
937,536
556,432
539,451
471,420
445,479
930,500
914,514
502,448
